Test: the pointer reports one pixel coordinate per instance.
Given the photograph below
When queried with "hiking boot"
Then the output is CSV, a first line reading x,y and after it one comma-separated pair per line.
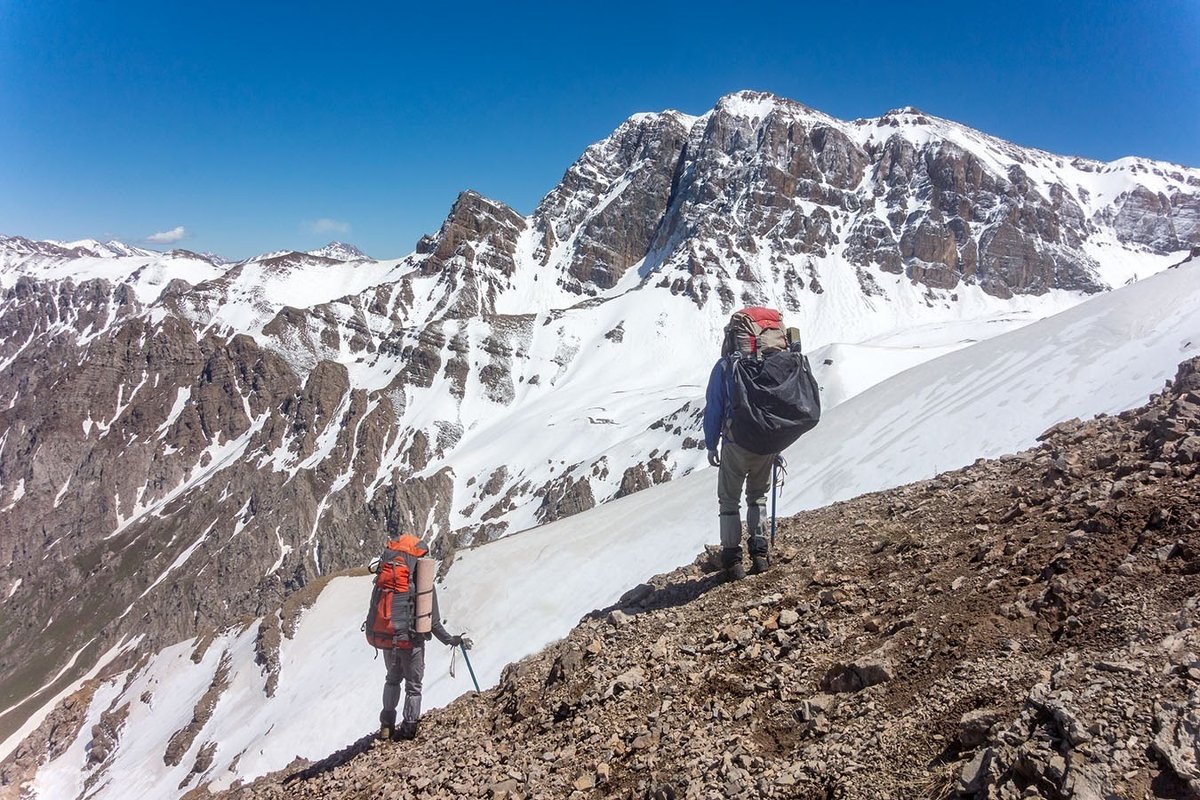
x,y
408,730
731,562
387,724
759,553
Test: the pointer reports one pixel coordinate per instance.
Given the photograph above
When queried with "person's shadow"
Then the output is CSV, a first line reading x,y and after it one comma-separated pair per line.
x,y
332,761
645,597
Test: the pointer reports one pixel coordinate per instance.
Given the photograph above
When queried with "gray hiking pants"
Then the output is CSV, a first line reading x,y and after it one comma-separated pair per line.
x,y
409,666
740,467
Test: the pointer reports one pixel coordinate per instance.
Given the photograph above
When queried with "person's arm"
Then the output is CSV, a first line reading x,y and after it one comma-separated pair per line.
x,y
439,630
714,406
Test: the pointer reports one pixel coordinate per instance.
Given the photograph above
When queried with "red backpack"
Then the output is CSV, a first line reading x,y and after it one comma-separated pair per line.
x,y
391,615
755,332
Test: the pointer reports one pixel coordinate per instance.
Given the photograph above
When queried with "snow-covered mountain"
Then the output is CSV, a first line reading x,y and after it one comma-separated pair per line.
x,y
213,710
189,442
340,251
84,248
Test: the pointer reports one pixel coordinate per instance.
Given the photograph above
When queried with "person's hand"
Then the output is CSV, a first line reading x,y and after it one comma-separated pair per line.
x,y
455,641
714,459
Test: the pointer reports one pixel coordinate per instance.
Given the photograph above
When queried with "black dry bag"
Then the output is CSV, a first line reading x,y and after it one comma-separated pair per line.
x,y
773,402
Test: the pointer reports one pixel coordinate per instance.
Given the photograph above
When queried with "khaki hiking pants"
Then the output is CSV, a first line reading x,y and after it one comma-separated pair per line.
x,y
409,666
740,467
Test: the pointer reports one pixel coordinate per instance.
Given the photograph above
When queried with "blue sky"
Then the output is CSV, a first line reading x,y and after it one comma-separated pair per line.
x,y
239,128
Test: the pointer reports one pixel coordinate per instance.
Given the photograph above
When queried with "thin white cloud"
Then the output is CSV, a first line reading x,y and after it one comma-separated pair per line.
x,y
168,237
326,225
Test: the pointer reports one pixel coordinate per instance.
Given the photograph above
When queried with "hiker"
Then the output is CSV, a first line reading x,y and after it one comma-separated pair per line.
x,y
761,397
393,626
738,467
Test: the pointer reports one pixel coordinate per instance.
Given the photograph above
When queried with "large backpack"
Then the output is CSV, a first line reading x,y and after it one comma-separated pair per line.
x,y
754,331
392,614
774,398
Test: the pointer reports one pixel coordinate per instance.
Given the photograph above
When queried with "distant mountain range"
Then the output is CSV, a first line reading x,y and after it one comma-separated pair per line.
x,y
85,248
20,248
189,442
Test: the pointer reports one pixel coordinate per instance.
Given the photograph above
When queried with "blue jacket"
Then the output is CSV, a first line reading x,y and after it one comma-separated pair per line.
x,y
716,404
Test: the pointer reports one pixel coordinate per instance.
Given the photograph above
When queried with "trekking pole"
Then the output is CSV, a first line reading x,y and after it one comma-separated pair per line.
x,y
774,471
776,466
470,669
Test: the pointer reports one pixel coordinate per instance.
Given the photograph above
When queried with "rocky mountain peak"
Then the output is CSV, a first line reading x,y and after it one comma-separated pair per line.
x,y
602,217
340,251
753,108
656,117
109,249
764,191
752,104
475,223
904,111
211,258
20,246
84,248
293,259
473,255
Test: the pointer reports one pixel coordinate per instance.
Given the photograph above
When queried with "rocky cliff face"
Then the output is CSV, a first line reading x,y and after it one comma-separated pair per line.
x,y
186,442
178,482
761,180
473,255
1027,626
603,217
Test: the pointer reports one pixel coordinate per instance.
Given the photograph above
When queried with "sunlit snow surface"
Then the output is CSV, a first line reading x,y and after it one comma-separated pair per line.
x,y
973,400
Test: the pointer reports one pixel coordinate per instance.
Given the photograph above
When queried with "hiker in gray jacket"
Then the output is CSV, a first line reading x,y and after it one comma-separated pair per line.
x,y
754,334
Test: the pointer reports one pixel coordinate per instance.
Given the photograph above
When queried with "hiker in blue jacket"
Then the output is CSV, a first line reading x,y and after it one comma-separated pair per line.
x,y
738,467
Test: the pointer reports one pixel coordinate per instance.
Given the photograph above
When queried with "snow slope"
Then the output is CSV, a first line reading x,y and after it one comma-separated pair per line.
x,y
980,400
553,426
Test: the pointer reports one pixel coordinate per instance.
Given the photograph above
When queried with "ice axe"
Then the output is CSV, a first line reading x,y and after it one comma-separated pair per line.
x,y
470,669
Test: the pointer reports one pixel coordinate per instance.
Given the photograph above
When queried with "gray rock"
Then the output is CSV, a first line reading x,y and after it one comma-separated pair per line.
x,y
974,772
1177,740
619,619
630,679
504,788
973,727
857,675
814,707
